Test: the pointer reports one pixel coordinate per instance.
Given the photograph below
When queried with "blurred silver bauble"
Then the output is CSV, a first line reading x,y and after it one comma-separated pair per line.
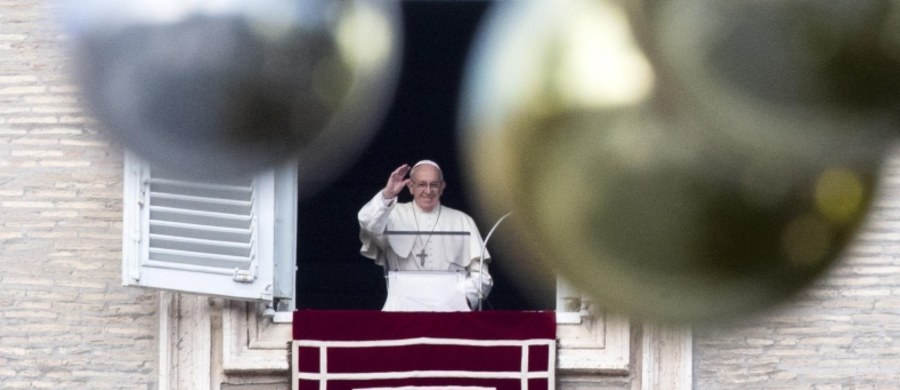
x,y
221,88
618,185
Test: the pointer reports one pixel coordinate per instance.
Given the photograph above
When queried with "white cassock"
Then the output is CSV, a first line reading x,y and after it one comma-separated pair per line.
x,y
387,232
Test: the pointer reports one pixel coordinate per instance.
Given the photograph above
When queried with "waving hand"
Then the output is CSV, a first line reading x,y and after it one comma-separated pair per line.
x,y
396,182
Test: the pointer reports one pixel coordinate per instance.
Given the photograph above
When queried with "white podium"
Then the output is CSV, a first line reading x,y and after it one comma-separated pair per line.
x,y
426,291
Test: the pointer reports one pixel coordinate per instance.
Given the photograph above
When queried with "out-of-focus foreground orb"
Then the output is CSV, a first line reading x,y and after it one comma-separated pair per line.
x,y
227,87
617,183
802,69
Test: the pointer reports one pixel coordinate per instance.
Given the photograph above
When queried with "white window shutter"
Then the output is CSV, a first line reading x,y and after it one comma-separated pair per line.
x,y
215,238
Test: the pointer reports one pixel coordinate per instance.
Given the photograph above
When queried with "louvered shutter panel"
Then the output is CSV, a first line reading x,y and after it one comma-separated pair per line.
x,y
213,238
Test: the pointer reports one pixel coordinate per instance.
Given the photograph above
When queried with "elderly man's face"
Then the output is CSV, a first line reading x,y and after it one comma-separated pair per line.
x,y
426,186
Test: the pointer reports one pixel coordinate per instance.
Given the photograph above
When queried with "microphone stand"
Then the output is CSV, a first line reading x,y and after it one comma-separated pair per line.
x,y
481,259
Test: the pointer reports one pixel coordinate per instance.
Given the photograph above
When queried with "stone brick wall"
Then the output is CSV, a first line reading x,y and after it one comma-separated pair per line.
x,y
65,321
844,333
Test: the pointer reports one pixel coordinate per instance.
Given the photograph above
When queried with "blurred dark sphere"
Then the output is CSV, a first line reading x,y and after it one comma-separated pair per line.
x,y
227,89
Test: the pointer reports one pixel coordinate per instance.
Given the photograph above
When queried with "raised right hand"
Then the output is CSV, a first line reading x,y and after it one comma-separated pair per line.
x,y
396,182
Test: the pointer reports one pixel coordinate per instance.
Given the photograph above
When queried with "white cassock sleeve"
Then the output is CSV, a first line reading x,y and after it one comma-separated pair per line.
x,y
373,220
476,285
474,279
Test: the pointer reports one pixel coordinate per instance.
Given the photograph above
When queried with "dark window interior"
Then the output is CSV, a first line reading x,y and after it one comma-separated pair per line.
x,y
420,124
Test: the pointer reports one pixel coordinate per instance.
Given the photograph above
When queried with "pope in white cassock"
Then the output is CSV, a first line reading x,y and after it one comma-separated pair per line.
x,y
425,236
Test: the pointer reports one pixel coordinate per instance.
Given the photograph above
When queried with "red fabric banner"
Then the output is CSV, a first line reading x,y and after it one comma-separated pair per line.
x,y
339,350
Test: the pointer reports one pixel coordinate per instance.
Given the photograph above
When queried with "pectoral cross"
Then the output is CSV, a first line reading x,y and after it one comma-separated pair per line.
x,y
422,255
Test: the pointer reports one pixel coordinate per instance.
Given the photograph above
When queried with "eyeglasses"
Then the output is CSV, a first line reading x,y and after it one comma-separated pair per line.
x,y
421,185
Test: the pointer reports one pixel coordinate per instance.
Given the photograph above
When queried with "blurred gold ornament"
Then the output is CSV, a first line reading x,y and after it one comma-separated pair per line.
x,y
802,70
618,184
223,88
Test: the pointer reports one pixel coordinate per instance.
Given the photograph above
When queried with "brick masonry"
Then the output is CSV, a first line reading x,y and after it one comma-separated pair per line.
x,y
843,333
65,320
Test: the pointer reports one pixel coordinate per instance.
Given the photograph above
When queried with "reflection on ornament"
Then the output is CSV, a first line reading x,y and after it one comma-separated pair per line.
x,y
620,185
799,69
221,88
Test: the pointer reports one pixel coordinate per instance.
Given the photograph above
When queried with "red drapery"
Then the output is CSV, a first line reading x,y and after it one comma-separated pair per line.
x,y
339,350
